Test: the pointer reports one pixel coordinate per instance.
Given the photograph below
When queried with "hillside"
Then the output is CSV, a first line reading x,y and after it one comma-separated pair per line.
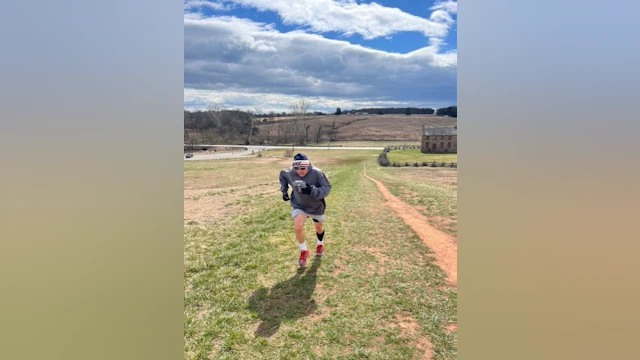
x,y
385,287
322,129
331,128
380,127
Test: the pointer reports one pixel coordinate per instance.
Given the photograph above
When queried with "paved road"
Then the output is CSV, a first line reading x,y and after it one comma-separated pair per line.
x,y
244,150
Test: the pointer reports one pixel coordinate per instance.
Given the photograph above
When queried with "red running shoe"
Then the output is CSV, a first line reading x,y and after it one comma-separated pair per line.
x,y
302,260
319,249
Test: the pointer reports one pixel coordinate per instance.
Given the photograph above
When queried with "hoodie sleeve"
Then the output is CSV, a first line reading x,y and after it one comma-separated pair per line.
x,y
323,188
284,182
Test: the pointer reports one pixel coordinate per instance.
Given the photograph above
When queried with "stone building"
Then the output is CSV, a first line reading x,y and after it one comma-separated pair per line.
x,y
439,139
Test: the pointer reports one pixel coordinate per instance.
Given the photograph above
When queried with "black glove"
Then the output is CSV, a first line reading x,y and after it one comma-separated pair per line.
x,y
306,190
285,197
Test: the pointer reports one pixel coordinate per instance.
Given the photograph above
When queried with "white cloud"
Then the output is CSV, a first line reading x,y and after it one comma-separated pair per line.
x,y
241,63
348,17
441,17
448,6
198,99
235,61
196,4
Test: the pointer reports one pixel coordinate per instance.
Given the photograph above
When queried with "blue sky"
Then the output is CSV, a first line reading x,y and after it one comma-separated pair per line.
x,y
265,55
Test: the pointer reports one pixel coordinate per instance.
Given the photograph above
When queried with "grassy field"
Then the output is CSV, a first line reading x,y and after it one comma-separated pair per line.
x,y
390,127
379,143
375,293
431,191
381,130
414,155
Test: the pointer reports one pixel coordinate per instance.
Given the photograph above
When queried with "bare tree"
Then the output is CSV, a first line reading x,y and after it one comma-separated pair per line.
x,y
299,110
317,132
198,123
191,141
188,123
289,131
187,138
267,130
285,132
306,133
217,114
210,136
333,132
255,114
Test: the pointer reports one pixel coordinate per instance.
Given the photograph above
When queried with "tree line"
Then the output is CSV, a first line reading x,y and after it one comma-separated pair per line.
x,y
218,125
382,111
451,111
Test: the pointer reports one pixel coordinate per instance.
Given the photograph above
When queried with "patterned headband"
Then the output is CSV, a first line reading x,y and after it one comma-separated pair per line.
x,y
301,163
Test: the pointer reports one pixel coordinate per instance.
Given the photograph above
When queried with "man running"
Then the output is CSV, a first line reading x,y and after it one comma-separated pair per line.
x,y
310,187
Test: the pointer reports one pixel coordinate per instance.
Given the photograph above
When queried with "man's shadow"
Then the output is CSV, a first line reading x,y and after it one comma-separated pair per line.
x,y
289,299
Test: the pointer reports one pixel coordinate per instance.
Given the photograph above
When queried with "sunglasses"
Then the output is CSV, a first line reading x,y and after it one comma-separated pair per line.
x,y
300,168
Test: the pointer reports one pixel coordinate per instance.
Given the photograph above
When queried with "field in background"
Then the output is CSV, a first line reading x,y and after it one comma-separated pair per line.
x,y
394,127
375,293
369,143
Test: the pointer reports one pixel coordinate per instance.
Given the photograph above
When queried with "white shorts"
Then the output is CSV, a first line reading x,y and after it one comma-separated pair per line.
x,y
316,218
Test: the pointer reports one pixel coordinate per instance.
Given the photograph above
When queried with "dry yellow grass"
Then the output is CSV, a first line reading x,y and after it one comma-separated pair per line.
x,y
369,127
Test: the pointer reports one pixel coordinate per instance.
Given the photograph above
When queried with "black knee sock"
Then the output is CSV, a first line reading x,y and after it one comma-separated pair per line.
x,y
320,236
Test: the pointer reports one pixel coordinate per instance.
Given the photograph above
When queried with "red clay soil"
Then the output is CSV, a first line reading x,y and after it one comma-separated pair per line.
x,y
444,247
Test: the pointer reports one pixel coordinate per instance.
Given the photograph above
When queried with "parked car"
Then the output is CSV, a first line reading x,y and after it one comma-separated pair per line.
x,y
189,155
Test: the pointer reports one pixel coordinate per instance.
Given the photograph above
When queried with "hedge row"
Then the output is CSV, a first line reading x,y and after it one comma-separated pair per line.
x,y
424,163
383,161
402,147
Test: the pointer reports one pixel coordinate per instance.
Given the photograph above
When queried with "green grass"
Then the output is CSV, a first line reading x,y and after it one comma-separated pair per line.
x,y
378,143
432,191
246,298
413,155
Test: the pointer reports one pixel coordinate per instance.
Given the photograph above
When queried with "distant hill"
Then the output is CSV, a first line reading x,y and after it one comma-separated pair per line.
x,y
451,111
319,129
383,111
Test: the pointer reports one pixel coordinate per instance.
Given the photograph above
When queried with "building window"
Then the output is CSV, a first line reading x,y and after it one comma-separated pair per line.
x,y
449,144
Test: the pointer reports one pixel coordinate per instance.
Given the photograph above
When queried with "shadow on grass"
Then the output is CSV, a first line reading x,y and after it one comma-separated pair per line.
x,y
289,299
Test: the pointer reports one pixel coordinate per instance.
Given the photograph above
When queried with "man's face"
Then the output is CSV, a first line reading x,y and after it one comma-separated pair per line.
x,y
301,170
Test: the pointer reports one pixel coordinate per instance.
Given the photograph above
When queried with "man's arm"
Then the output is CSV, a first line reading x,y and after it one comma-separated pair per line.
x,y
323,188
284,183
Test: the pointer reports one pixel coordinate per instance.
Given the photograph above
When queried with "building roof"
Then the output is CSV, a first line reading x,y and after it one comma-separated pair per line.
x,y
439,131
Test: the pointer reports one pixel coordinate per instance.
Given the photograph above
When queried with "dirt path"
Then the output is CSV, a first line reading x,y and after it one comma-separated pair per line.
x,y
442,244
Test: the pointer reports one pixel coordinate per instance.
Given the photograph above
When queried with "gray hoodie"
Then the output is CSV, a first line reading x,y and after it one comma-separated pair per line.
x,y
314,203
